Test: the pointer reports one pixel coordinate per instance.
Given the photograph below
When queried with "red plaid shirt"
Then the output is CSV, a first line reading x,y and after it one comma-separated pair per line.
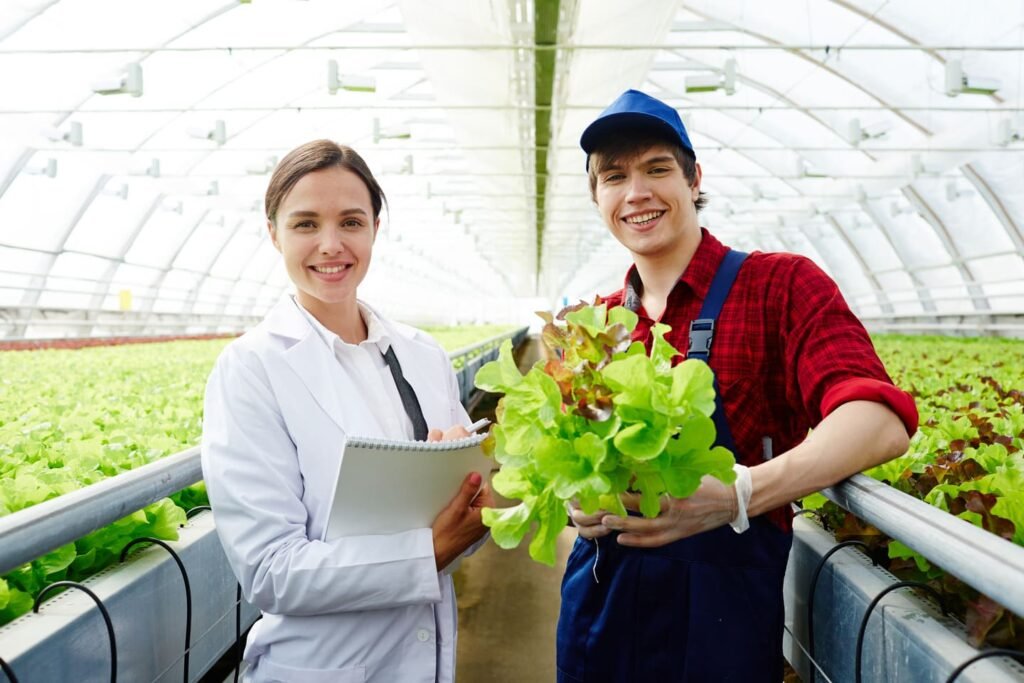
x,y
786,352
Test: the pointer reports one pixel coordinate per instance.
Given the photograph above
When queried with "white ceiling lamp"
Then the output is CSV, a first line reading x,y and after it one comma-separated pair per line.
x,y
896,209
724,79
128,81
958,82
49,169
152,169
861,195
403,168
1007,133
456,214
338,81
261,166
805,170
218,133
120,192
73,135
858,134
393,132
169,206
917,167
757,194
953,193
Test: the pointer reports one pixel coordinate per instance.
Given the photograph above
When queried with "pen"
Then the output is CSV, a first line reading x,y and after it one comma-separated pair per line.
x,y
478,425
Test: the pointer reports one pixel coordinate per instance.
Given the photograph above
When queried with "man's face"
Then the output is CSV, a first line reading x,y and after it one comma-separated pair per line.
x,y
646,201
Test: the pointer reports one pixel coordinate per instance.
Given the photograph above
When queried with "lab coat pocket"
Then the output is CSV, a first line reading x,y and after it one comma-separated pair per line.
x,y
272,672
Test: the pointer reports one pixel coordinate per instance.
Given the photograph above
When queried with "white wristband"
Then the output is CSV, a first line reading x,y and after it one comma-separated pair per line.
x,y
744,488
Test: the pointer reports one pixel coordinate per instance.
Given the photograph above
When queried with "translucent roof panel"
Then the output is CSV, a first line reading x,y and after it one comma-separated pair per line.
x,y
883,140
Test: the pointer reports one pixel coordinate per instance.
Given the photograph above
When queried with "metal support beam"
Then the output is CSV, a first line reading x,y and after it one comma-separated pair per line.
x,y
942,232
882,296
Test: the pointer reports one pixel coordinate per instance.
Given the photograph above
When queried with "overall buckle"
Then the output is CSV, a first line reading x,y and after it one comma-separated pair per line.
x,y
702,331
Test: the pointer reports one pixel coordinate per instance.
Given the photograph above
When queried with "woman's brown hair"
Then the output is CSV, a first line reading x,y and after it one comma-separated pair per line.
x,y
315,156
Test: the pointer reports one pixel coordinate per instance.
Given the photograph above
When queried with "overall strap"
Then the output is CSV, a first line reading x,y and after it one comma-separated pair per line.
x,y
702,333
702,330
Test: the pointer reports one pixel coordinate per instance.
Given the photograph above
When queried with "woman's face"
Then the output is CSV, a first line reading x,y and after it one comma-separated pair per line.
x,y
325,230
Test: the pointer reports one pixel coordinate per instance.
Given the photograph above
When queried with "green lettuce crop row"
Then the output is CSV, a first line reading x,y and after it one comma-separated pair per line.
x,y
967,459
457,338
69,419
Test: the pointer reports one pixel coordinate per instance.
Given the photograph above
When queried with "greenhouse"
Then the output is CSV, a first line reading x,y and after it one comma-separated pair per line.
x,y
664,340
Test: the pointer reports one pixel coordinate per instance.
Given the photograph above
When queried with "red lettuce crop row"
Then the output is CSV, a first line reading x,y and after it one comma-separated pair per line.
x,y
967,459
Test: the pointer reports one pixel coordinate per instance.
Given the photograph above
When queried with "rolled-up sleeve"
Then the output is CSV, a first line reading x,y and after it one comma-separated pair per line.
x,y
831,352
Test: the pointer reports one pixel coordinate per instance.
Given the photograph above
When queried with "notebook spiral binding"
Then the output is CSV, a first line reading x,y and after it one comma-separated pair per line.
x,y
374,444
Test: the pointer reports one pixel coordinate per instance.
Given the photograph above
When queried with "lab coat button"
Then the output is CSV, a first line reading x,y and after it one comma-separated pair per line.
x,y
423,635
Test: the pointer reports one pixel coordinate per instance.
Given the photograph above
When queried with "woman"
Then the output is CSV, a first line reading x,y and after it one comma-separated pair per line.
x,y
278,404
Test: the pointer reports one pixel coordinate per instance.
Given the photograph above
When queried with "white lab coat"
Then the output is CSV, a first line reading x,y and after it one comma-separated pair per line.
x,y
371,608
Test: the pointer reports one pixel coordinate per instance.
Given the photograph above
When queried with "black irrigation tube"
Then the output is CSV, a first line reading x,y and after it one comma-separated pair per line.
x,y
103,611
238,630
8,671
238,602
995,652
814,588
184,578
867,615
198,508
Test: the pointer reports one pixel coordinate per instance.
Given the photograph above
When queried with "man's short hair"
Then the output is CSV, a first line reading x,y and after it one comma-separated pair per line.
x,y
631,144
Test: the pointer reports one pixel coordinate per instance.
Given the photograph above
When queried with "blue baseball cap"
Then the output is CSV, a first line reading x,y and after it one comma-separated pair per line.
x,y
635,110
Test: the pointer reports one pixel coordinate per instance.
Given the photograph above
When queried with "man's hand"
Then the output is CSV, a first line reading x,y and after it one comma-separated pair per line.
x,y
588,526
712,505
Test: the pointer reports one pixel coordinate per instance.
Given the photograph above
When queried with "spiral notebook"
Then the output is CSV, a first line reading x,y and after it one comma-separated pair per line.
x,y
384,487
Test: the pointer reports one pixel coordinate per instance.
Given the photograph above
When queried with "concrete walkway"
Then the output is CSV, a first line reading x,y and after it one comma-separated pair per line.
x,y
508,608
508,604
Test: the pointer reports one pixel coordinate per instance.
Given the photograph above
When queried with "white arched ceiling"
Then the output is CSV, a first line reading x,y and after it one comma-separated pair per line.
x,y
921,222
910,223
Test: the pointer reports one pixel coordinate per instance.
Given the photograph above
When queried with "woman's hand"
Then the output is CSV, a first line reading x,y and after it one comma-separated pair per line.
x,y
456,432
459,525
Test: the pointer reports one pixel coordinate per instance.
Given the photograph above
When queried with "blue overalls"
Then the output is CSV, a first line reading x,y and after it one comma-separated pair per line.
x,y
704,609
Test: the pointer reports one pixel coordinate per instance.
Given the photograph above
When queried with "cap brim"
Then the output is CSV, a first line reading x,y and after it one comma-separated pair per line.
x,y
609,125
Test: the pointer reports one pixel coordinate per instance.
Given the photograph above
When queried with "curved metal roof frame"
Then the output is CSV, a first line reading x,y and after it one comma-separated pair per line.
x,y
817,215
489,207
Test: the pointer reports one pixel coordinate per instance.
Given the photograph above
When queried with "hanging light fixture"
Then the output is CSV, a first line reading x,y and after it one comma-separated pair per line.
x,y
724,79
337,81
128,81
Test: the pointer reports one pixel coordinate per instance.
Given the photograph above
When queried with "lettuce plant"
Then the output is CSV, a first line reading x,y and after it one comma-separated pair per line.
x,y
601,417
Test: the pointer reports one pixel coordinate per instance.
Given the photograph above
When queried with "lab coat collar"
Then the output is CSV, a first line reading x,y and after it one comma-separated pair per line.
x,y
315,364
309,357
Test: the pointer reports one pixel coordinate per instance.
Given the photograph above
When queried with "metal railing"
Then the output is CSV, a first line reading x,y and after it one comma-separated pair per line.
x,y
29,533
977,557
468,361
980,559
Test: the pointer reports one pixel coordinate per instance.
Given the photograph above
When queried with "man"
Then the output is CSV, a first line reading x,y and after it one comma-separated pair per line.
x,y
694,594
